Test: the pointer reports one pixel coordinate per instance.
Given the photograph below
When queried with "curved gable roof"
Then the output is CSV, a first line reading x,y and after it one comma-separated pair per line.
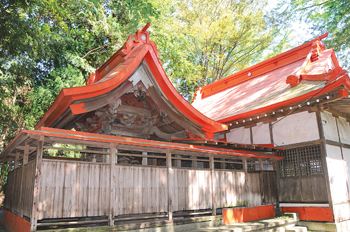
x,y
112,75
284,79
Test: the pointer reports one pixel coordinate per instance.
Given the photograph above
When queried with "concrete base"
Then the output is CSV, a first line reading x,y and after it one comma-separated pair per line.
x,y
284,223
179,225
320,226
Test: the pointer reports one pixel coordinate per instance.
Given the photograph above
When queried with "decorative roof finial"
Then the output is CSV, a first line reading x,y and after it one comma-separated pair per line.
x,y
141,37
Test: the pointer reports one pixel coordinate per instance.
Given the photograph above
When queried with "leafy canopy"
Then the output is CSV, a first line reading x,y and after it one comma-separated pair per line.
x,y
206,40
47,45
330,16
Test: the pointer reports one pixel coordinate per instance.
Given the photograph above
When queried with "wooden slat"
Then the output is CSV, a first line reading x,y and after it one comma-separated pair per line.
x,y
38,175
83,189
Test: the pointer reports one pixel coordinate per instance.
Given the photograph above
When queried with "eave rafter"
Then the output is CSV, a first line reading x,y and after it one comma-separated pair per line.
x,y
316,103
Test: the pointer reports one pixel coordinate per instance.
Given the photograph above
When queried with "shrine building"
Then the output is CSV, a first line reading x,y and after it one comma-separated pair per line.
x,y
275,134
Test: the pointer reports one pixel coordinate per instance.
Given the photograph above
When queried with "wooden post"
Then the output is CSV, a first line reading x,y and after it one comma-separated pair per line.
x,y
222,164
212,175
25,160
169,185
112,180
10,164
262,184
324,160
26,154
246,187
2,171
194,162
178,161
276,169
17,159
38,164
144,159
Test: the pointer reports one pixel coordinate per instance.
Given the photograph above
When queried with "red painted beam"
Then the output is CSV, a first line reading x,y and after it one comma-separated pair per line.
x,y
239,215
311,213
14,223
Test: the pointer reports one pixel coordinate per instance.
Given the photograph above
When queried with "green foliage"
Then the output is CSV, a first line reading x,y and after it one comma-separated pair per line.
x,y
202,41
330,16
64,153
47,45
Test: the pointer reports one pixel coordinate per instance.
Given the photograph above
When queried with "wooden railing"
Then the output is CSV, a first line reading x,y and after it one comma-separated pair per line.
x,y
81,189
19,190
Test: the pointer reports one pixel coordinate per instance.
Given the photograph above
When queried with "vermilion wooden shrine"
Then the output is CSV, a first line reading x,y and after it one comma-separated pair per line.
x,y
298,100
145,153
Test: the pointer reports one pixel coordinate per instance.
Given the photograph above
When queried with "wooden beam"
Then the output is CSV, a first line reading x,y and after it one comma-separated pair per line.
x,y
337,113
283,111
38,172
169,185
23,147
15,144
77,150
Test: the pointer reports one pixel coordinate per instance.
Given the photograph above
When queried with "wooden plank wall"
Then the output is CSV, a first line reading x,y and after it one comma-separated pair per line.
x,y
229,188
140,189
73,189
191,189
20,199
254,191
80,189
304,189
270,187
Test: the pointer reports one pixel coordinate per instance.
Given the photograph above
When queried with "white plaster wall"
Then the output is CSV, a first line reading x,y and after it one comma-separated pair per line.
x,y
296,128
329,126
333,152
239,135
341,212
261,134
346,156
344,130
337,174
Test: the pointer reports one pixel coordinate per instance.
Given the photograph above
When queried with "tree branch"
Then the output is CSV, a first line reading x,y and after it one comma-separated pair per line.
x,y
319,4
95,49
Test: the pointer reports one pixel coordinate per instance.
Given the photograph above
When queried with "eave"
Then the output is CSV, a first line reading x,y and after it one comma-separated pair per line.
x,y
123,71
338,89
261,68
104,140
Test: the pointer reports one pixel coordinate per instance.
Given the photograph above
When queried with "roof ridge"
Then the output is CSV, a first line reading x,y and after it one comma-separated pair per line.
x,y
133,42
265,66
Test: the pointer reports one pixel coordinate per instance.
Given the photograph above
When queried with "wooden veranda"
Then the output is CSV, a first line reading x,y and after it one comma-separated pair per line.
x,y
172,179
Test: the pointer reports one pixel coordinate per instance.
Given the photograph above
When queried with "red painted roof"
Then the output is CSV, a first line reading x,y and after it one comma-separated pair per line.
x,y
263,86
77,135
118,69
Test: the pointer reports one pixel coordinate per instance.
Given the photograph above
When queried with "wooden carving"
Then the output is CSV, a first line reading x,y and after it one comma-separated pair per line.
x,y
139,94
128,119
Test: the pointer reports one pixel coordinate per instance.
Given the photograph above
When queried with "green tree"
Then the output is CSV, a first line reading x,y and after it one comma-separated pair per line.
x,y
203,41
46,45
330,16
